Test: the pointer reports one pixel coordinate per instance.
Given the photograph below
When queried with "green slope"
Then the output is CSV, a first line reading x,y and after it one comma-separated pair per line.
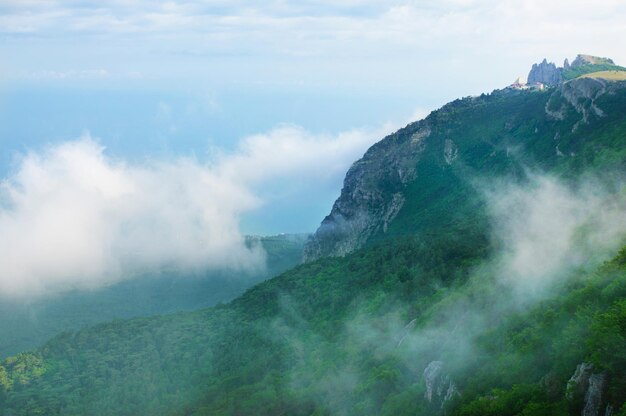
x,y
353,335
612,75
582,70
501,134
27,324
283,348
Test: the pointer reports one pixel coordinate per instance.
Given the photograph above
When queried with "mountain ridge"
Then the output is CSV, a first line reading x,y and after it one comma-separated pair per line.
x,y
362,210
547,73
428,314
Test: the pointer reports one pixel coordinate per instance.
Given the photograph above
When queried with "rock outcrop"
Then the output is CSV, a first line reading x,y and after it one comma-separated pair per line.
x,y
450,151
581,96
372,194
578,383
440,389
593,396
545,73
590,387
590,60
549,74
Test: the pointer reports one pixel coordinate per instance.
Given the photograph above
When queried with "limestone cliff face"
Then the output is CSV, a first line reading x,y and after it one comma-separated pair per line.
x,y
440,388
582,96
545,73
372,194
591,387
551,75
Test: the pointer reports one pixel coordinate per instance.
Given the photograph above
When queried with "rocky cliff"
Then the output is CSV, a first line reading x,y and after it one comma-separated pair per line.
x,y
545,73
372,194
589,386
475,134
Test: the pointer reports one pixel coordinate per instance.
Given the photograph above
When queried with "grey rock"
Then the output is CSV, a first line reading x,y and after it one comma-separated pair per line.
x,y
590,386
578,383
581,95
558,151
432,378
593,397
439,387
371,196
545,73
450,151
590,60
552,385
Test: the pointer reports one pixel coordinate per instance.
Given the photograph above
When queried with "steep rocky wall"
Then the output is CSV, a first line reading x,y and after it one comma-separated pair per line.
x,y
372,194
545,73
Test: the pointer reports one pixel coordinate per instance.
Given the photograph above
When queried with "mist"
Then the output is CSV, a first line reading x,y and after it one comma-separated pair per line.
x,y
546,228
544,231
74,217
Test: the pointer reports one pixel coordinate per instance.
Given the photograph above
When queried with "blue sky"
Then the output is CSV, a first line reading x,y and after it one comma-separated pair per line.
x,y
268,101
348,44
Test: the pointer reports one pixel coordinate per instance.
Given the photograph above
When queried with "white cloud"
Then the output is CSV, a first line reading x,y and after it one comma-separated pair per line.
x,y
73,217
289,150
357,41
71,74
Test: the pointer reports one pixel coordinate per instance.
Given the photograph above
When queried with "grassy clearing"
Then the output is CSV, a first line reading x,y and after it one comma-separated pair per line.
x,y
610,75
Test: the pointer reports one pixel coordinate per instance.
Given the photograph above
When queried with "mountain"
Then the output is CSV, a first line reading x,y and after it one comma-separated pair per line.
x,y
549,74
472,265
27,324
414,181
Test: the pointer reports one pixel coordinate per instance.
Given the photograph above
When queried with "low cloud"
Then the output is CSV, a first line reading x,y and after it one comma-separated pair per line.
x,y
547,228
289,150
72,74
72,216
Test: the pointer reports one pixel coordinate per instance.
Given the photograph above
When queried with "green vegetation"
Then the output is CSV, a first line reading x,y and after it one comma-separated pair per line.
x,y
539,349
581,70
26,325
610,75
353,335
309,342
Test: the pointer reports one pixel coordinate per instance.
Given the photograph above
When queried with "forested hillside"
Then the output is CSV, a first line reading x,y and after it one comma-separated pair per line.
x,y
29,322
495,287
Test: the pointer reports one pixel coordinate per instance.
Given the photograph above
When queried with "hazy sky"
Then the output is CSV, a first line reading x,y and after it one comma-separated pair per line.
x,y
472,45
270,100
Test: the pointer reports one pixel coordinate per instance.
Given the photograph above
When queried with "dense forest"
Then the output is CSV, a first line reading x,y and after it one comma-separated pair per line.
x,y
28,323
